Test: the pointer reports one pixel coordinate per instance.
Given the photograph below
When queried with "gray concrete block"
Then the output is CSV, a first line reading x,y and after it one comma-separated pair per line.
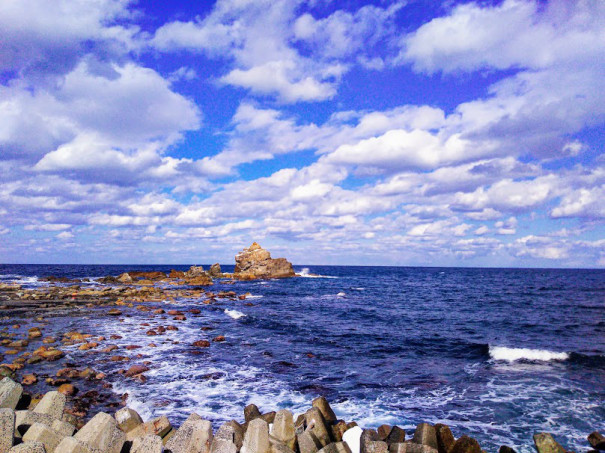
x,y
40,433
52,404
147,444
10,393
7,429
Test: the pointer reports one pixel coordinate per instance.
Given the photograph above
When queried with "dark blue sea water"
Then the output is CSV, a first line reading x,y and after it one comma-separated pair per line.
x,y
495,353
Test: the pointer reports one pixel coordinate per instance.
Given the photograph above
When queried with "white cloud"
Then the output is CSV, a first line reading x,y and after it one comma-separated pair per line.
x,y
259,37
283,78
40,37
584,202
516,33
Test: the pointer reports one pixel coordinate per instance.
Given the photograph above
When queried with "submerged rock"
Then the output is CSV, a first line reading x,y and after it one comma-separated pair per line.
x,y
255,262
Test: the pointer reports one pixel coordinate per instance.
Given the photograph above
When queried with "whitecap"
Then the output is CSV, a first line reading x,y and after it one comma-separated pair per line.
x,y
234,313
305,273
514,354
341,294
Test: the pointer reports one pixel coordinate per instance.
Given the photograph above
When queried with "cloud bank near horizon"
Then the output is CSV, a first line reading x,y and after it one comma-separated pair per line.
x,y
396,133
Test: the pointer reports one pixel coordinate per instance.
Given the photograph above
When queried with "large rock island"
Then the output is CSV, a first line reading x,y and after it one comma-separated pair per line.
x,y
255,262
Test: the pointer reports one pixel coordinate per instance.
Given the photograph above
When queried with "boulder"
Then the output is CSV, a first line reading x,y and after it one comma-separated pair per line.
x,y
596,440
7,429
445,438
425,434
466,444
147,444
256,439
102,433
194,436
10,393
28,447
125,278
51,404
215,271
195,271
43,434
255,262
128,419
545,443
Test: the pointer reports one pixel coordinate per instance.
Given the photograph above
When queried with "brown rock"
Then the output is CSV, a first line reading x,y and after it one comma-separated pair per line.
x,y
255,262
466,444
202,344
154,275
219,339
445,438
215,271
135,369
114,312
596,440
202,280
34,332
176,274
67,389
29,379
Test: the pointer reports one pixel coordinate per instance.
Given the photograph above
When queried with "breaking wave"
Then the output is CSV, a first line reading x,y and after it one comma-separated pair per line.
x,y
514,354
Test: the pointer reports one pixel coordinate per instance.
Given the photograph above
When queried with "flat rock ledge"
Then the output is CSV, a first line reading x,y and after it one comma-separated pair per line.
x,y
46,429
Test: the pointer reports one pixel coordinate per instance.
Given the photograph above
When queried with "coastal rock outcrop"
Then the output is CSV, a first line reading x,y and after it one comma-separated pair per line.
x,y
255,262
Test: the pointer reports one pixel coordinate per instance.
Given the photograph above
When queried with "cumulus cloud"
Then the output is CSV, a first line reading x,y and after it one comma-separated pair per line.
x,y
38,37
262,40
516,33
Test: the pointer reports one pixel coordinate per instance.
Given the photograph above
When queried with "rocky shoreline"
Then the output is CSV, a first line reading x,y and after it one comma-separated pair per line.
x,y
54,394
45,427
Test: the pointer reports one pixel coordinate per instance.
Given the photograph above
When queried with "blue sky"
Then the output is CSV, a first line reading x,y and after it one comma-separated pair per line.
x,y
332,132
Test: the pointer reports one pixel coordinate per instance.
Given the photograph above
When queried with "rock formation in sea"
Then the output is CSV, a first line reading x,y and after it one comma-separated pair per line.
x,y
255,262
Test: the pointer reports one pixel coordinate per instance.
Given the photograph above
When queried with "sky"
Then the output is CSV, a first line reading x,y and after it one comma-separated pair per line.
x,y
407,133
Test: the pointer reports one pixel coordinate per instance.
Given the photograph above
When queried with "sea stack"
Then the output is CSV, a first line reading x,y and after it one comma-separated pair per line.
x,y
255,262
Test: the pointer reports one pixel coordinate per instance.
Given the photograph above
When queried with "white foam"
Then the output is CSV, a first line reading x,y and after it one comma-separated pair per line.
x,y
305,273
514,354
254,296
341,294
234,313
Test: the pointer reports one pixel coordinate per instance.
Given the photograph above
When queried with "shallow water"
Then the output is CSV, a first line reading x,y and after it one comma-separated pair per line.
x,y
497,354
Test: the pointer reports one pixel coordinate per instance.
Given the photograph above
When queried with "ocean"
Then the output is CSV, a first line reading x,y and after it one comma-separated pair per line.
x,y
498,354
